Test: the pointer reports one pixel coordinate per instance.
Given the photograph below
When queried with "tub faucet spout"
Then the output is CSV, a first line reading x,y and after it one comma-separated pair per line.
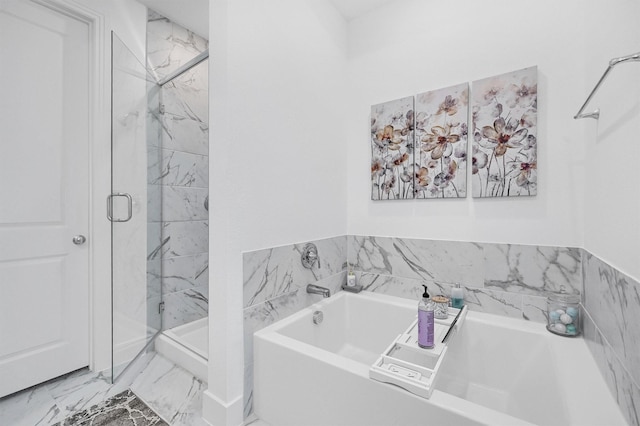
x,y
316,289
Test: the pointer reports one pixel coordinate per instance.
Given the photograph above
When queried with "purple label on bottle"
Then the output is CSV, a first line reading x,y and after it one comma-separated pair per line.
x,y
425,329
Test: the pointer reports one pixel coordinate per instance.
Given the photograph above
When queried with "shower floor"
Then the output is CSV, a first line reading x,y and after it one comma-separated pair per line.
x,y
187,346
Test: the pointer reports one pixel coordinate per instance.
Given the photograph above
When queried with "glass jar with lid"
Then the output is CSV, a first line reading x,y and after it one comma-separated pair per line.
x,y
563,314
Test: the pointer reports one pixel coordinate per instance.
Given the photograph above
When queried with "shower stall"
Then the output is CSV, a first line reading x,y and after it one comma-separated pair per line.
x,y
159,202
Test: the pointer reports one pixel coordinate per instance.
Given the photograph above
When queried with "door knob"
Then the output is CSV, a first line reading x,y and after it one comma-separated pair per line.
x,y
79,239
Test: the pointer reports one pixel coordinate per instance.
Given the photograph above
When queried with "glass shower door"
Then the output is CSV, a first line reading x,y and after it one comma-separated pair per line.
x,y
136,296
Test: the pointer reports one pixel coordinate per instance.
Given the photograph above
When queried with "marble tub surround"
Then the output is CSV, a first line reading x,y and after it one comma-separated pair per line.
x,y
486,300
275,287
272,272
444,261
487,271
612,304
532,270
258,316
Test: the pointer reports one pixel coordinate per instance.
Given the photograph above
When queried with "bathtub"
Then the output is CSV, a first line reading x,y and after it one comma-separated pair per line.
x,y
497,371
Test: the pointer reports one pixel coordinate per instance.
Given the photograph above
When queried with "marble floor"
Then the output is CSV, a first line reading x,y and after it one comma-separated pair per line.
x,y
174,394
170,391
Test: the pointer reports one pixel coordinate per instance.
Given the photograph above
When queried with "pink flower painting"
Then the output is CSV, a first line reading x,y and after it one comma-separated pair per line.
x,y
504,155
392,131
441,143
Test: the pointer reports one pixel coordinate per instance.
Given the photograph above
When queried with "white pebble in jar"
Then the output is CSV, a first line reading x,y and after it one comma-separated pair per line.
x,y
566,319
560,327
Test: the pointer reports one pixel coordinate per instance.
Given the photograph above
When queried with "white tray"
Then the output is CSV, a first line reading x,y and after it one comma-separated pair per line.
x,y
411,367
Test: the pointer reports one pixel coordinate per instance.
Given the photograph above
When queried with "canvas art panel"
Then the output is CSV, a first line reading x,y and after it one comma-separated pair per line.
x,y
504,150
392,132
441,143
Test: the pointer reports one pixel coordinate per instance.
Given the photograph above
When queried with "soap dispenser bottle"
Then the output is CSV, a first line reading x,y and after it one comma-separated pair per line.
x,y
425,321
457,297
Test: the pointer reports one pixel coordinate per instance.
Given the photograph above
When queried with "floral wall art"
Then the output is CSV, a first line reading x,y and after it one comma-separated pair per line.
x,y
392,131
419,147
504,151
441,143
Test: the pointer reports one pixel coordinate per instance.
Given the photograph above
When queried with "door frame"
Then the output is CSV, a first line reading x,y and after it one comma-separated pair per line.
x,y
99,161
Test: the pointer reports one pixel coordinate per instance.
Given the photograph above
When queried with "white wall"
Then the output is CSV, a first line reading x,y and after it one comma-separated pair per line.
x,y
277,160
612,198
411,46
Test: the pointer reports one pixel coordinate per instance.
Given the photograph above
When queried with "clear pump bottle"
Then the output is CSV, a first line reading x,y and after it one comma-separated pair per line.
x,y
426,321
457,297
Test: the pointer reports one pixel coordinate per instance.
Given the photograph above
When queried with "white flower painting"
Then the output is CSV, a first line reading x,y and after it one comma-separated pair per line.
x,y
504,152
441,143
392,131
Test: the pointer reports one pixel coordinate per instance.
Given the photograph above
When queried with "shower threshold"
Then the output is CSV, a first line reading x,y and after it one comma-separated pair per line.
x,y
187,346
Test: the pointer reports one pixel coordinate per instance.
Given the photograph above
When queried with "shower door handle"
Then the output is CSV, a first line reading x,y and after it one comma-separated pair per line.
x,y
110,198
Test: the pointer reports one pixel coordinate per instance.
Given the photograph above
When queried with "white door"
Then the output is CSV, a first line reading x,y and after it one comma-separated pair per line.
x,y
44,107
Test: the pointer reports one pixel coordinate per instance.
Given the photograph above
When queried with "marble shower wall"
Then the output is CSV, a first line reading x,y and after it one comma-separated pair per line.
x,y
178,171
274,285
503,279
612,330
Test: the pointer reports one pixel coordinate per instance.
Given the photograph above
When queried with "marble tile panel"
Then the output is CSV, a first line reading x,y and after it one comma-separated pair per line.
x,y
154,117
273,272
613,301
169,46
171,392
535,270
154,204
156,243
79,391
407,288
261,315
258,317
181,169
494,302
154,317
253,420
181,204
187,95
268,273
332,253
155,166
185,306
534,308
185,272
618,379
443,261
184,134
184,238
31,407
187,40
